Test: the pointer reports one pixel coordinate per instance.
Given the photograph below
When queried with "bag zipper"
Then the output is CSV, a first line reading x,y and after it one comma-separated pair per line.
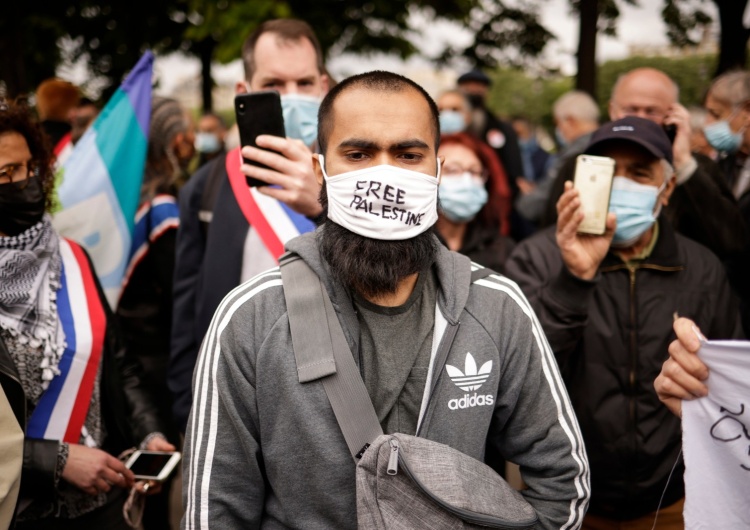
x,y
396,459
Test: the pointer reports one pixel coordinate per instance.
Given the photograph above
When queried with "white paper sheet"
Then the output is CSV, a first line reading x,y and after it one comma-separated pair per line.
x,y
716,441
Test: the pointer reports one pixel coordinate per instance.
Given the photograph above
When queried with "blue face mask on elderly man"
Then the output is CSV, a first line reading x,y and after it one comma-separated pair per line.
x,y
635,207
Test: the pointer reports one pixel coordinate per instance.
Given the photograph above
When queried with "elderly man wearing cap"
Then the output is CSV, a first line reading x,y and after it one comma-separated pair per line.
x,y
606,304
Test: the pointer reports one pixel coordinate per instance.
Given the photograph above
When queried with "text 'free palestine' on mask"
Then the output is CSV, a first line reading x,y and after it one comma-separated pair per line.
x,y
383,202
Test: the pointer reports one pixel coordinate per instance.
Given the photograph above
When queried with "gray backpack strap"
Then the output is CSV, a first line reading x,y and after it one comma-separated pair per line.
x,y
321,352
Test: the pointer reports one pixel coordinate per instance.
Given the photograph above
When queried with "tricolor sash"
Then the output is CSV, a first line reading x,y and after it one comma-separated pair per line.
x,y
151,220
275,222
62,151
63,407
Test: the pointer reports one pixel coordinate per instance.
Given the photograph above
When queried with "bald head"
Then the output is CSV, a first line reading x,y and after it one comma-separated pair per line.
x,y
644,92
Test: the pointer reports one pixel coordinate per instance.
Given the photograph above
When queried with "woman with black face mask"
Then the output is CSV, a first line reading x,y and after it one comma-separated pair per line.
x,y
80,394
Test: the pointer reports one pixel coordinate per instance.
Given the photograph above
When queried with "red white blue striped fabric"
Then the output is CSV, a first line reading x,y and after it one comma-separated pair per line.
x,y
63,407
275,222
151,221
62,151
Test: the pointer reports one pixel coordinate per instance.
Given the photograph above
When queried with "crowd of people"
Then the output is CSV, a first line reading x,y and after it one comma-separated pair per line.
x,y
586,344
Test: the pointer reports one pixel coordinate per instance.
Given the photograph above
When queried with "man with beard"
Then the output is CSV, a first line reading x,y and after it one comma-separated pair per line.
x,y
281,460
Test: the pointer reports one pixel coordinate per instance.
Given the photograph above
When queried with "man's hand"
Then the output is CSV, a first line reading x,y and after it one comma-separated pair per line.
x,y
682,375
152,487
291,169
525,186
94,471
680,117
581,253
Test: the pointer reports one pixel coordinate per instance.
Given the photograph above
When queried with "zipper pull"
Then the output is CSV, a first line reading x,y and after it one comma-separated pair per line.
x,y
393,457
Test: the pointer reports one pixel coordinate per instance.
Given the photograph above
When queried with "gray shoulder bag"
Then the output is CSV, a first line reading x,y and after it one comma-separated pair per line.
x,y
403,482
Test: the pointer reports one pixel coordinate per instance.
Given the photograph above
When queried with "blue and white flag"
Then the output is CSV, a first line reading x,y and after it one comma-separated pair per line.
x,y
101,180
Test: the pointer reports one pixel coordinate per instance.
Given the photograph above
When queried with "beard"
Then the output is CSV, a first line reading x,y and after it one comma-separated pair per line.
x,y
372,267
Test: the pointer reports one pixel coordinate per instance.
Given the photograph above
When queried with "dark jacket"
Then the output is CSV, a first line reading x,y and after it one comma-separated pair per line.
x,y
208,264
508,152
611,336
738,266
485,245
145,307
127,410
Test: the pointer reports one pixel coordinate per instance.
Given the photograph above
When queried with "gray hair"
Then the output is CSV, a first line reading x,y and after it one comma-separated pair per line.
x,y
732,88
576,104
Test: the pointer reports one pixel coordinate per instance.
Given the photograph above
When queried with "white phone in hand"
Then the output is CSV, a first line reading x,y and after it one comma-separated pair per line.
x,y
152,465
593,180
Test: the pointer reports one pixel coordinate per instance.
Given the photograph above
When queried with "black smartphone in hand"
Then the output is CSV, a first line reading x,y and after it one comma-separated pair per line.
x,y
258,113
671,131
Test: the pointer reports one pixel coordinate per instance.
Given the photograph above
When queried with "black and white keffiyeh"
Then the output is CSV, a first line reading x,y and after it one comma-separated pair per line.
x,y
30,269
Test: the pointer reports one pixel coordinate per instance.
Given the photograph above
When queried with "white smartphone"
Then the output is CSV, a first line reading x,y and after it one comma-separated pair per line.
x,y
593,180
152,465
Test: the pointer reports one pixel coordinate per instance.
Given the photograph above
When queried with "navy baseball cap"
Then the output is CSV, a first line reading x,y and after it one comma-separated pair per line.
x,y
640,131
475,75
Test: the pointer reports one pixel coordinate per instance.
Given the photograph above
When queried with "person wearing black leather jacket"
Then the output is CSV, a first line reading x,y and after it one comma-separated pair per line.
x,y
606,304
80,393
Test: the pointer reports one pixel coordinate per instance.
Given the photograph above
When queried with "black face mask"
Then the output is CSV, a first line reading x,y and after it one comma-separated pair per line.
x,y
20,209
476,100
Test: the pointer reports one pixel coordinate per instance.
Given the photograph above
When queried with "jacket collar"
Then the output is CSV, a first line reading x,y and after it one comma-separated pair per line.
x,y
453,272
665,253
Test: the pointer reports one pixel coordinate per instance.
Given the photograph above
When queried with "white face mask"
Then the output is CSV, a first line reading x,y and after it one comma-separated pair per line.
x,y
383,202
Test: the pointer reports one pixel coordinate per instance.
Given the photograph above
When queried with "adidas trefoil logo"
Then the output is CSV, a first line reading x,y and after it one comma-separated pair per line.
x,y
470,379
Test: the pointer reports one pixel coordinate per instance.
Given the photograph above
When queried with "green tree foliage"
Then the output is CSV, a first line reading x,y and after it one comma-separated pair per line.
x,y
515,92
110,35
684,20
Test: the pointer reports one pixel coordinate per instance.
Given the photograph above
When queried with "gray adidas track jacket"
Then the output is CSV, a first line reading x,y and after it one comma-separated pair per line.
x,y
264,451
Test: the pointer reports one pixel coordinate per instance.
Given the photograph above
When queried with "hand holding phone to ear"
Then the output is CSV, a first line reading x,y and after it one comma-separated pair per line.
x,y
680,118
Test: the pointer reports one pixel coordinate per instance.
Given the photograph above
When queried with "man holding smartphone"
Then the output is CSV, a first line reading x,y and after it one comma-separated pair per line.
x,y
218,247
606,303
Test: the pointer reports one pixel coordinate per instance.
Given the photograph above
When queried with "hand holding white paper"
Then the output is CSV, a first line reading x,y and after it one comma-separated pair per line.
x,y
716,441
383,202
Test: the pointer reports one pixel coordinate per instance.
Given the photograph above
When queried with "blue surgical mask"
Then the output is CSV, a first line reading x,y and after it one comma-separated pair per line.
x,y
451,122
719,134
635,207
207,143
462,197
301,117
